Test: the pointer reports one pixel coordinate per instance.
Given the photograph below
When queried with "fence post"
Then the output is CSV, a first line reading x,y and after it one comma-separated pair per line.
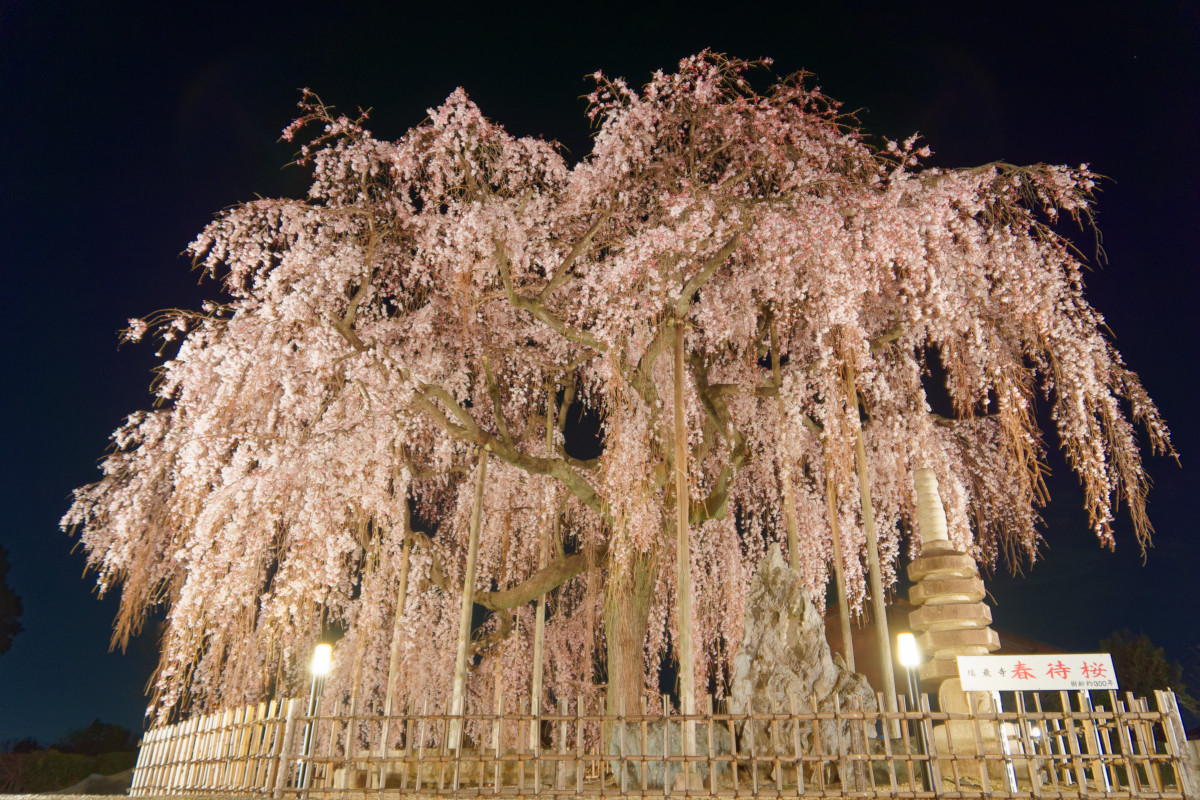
x,y
1177,741
160,772
282,753
139,768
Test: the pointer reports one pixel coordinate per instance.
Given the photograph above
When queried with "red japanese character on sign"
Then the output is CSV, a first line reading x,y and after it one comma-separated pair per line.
x,y
1022,672
1094,670
1058,670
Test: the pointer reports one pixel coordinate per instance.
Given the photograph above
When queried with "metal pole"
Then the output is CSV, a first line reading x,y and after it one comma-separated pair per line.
x,y
1009,770
922,742
314,700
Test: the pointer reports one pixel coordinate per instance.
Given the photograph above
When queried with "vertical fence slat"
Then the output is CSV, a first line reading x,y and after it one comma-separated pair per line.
x,y
711,734
1146,742
157,779
884,730
283,748
410,705
1073,744
906,727
797,749
932,757
579,714
1106,747
139,766
1187,778
953,753
561,709
451,721
667,778
818,763
1049,738
1128,751
1029,748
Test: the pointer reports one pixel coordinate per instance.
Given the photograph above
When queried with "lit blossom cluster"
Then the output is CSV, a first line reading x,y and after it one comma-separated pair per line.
x,y
460,293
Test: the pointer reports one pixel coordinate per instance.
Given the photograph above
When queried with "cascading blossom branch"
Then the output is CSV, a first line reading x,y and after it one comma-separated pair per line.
x,y
460,292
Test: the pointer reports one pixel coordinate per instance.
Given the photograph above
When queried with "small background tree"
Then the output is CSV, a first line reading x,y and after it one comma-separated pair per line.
x,y
10,607
96,738
1143,667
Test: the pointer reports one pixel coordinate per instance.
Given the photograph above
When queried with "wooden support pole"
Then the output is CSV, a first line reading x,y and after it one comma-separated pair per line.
x,y
785,466
397,618
457,698
687,668
839,566
389,691
539,629
882,637
498,694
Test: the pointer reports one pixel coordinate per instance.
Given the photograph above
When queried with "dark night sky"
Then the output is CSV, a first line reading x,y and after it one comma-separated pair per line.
x,y
124,127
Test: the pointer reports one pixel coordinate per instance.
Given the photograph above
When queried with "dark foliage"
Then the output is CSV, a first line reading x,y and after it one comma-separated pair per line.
x,y
10,607
1142,667
26,745
98,737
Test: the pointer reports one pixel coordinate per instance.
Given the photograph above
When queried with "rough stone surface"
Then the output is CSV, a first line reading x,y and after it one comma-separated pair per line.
x,y
948,590
942,564
631,747
784,659
965,641
96,784
950,617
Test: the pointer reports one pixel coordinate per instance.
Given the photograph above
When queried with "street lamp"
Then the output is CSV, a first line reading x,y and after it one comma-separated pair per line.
x,y
322,661
910,658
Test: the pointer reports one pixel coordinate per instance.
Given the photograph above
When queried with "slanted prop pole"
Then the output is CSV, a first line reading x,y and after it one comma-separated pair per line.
x,y
882,637
839,566
394,657
687,669
785,466
539,629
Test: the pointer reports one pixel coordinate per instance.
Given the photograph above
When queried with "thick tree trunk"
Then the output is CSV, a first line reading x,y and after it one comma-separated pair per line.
x,y
626,618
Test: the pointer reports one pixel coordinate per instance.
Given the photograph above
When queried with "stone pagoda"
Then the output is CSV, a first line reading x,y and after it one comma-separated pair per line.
x,y
952,620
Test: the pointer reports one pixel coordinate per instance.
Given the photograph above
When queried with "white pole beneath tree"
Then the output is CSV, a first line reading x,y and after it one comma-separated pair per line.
x,y
397,618
389,691
454,734
882,637
687,668
839,566
785,466
539,628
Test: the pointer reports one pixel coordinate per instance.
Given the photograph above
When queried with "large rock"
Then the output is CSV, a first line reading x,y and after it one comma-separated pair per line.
x,y
627,741
784,660
101,784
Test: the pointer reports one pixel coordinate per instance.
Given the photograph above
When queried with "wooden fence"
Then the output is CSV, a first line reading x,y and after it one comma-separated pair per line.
x,y
1051,745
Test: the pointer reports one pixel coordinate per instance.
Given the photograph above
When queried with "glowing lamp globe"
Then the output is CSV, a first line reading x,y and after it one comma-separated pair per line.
x,y
906,647
322,659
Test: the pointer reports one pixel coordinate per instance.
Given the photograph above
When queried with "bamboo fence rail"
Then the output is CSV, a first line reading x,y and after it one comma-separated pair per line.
x,y
1049,746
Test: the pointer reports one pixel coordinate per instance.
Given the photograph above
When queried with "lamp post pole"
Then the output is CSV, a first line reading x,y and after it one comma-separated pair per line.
x,y
910,658
322,661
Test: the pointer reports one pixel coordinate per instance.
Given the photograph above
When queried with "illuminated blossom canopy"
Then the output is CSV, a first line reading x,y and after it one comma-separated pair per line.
x,y
461,288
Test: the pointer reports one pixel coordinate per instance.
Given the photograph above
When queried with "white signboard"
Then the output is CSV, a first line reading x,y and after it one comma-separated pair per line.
x,y
1068,671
